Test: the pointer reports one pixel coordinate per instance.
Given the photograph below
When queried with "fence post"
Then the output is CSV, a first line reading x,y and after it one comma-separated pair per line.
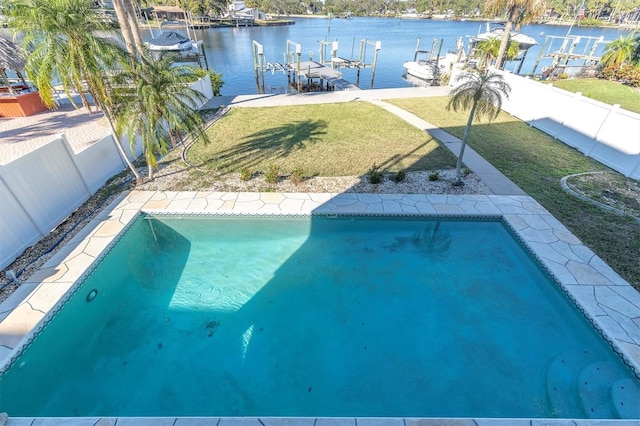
x,y
575,98
635,169
613,110
43,232
72,157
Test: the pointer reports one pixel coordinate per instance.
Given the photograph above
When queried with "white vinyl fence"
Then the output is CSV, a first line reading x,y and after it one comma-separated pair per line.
x,y
604,132
40,189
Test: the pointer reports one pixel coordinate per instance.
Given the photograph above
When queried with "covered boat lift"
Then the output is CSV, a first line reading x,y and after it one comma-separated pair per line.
x,y
317,75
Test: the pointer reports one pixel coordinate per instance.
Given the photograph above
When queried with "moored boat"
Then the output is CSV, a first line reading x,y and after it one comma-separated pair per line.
x,y
496,30
422,69
433,63
170,41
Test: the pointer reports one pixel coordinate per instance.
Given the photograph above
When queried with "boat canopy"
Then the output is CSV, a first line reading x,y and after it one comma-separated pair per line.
x,y
169,40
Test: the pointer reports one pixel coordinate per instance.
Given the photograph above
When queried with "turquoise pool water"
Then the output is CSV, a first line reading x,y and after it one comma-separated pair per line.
x,y
317,316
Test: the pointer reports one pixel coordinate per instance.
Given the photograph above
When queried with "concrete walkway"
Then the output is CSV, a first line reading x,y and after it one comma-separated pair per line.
x,y
498,183
19,136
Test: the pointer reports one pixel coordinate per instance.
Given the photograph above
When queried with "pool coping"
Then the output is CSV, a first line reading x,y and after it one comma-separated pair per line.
x,y
608,301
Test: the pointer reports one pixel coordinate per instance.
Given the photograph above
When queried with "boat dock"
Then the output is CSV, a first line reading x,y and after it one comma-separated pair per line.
x,y
570,55
310,76
319,76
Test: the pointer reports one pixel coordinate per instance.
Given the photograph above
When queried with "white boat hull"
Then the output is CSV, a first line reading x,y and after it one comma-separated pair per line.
x,y
178,47
524,41
170,41
422,70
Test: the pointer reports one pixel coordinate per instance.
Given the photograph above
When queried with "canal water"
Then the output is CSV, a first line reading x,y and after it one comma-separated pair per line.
x,y
229,50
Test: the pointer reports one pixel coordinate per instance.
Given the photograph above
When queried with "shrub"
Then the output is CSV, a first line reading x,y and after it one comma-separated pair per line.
x,y
630,74
592,22
434,176
609,73
297,176
627,74
216,80
246,174
400,176
272,174
445,79
374,174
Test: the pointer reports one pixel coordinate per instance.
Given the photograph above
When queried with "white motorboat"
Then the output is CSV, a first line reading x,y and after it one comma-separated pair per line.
x,y
170,41
496,30
424,70
433,64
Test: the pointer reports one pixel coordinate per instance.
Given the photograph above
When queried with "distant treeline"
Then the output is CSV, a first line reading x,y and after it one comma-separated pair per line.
x,y
601,10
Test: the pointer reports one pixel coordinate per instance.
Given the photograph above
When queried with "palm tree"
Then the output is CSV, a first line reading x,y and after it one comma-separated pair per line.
x,y
59,37
61,41
125,29
127,20
635,56
483,93
489,49
619,51
152,99
518,12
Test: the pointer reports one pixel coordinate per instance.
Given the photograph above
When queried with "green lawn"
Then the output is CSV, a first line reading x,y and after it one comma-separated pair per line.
x,y
344,139
536,162
605,91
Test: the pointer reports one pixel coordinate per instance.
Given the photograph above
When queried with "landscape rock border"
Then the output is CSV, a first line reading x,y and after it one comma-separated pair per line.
x,y
568,189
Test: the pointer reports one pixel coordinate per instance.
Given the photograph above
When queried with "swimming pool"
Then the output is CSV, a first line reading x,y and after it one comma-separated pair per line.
x,y
297,328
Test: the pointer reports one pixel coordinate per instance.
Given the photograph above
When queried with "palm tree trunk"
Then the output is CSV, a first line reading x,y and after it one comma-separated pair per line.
x,y
150,166
121,149
180,138
132,20
465,137
504,44
174,145
121,14
83,97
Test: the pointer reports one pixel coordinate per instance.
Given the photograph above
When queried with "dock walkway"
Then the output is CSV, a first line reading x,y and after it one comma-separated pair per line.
x,y
311,70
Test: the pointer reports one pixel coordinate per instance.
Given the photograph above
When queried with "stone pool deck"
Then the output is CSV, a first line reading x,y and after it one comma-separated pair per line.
x,y
611,304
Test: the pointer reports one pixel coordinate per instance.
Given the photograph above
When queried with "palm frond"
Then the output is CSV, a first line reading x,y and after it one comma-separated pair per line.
x,y
152,97
484,90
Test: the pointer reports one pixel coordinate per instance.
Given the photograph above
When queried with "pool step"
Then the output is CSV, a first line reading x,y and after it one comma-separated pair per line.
x,y
625,394
562,378
579,384
594,385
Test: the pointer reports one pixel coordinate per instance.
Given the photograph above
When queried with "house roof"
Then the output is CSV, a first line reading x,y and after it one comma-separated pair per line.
x,y
11,56
167,9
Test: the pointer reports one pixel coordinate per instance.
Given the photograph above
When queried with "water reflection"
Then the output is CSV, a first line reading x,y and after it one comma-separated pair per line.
x,y
229,50
430,240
